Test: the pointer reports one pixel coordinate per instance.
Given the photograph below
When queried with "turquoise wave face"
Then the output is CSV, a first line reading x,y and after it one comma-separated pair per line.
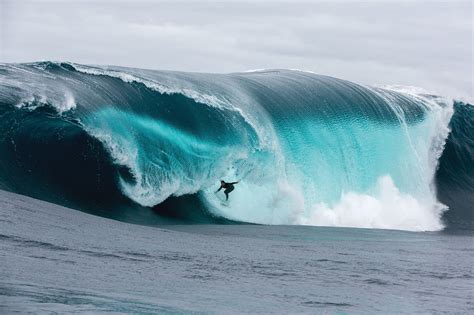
x,y
307,149
336,156
165,160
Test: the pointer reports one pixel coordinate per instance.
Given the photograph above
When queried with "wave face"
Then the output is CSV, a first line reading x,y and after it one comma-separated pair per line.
x,y
151,146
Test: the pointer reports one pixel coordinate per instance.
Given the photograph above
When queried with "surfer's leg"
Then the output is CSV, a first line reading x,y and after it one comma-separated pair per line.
x,y
227,191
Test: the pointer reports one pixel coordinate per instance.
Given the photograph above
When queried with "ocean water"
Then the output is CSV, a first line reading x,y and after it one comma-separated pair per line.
x,y
351,198
56,259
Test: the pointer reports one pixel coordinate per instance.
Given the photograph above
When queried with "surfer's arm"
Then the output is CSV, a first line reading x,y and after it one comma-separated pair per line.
x,y
234,183
219,189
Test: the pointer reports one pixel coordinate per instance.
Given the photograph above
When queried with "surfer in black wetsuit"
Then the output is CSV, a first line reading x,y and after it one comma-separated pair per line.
x,y
228,187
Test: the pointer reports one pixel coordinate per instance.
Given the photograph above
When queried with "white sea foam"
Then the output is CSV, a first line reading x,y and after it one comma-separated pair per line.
x,y
60,104
385,208
68,103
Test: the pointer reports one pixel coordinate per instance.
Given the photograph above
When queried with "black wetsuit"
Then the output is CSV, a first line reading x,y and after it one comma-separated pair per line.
x,y
228,187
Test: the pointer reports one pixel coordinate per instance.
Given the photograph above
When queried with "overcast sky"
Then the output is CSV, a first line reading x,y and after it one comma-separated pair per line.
x,y
422,43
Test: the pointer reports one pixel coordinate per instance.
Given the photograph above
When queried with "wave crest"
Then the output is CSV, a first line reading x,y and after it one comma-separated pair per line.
x,y
307,149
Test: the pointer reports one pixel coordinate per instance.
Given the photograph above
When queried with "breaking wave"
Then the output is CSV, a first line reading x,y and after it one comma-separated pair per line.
x,y
150,147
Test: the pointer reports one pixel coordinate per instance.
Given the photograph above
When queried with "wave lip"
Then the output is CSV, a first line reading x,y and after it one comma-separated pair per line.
x,y
307,149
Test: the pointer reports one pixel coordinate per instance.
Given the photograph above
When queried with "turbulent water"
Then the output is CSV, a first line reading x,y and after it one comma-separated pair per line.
x,y
150,147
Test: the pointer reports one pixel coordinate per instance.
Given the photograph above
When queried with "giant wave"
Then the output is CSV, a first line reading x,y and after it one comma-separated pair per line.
x,y
149,147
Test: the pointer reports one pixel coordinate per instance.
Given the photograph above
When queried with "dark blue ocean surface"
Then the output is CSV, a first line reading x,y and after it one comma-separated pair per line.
x,y
55,259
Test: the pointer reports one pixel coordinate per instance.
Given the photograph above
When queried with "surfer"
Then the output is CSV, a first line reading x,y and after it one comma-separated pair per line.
x,y
228,187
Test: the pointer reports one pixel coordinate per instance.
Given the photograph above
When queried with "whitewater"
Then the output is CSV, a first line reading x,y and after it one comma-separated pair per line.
x,y
150,147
